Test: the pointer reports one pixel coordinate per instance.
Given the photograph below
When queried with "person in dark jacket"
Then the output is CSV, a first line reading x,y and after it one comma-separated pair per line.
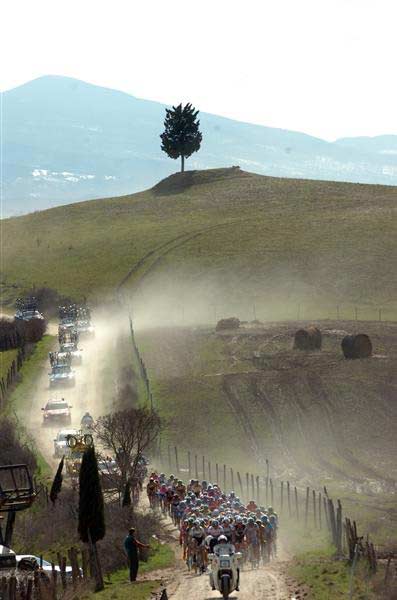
x,y
131,547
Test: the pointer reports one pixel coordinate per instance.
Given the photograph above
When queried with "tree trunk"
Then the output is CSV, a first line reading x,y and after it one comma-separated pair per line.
x,y
182,163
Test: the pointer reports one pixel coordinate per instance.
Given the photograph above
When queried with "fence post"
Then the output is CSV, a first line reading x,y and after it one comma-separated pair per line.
x,y
189,464
252,486
247,478
240,484
307,506
296,504
282,497
224,479
258,495
314,509
232,477
209,471
289,499
204,468
176,459
319,511
339,527
217,473
271,492
169,458
196,466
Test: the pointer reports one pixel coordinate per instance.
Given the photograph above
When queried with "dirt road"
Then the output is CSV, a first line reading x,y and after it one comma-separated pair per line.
x,y
267,583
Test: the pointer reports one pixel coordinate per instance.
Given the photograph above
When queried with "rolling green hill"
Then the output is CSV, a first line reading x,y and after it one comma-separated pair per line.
x,y
221,238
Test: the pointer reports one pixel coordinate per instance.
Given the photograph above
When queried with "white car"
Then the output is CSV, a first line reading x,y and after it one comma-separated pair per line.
x,y
46,566
62,375
56,411
60,442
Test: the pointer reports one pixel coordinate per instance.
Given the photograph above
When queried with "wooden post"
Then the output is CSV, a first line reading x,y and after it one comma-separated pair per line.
x,y
252,486
189,464
296,504
169,458
271,492
196,466
204,468
247,478
224,479
319,511
258,494
326,512
217,473
282,497
209,471
307,506
339,528
314,509
176,459
240,484
332,521
289,499
232,477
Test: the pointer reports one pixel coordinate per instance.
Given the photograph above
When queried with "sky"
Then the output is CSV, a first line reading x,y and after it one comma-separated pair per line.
x,y
324,67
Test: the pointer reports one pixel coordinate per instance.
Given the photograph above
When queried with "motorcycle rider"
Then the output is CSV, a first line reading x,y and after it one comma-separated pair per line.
x,y
221,548
87,421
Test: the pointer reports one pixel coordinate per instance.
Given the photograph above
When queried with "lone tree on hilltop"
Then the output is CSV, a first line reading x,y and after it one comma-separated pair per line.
x,y
91,510
181,136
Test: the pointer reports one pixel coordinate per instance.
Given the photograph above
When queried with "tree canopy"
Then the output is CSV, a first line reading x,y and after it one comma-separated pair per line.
x,y
181,135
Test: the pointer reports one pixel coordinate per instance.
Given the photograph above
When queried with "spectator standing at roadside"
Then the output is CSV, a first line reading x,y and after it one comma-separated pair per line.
x,y
132,547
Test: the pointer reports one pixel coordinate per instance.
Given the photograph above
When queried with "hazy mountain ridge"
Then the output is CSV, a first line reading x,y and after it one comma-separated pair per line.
x,y
65,140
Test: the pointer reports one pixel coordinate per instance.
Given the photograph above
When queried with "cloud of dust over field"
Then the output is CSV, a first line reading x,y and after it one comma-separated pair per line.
x,y
179,297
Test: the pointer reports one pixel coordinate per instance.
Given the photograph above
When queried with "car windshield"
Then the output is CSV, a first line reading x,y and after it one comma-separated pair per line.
x,y
59,369
56,406
67,347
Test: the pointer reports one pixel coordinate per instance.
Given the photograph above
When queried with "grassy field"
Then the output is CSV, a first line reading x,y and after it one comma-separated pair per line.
x,y
215,241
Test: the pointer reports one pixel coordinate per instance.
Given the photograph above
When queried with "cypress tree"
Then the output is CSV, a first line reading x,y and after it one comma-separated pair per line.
x,y
91,507
181,135
57,483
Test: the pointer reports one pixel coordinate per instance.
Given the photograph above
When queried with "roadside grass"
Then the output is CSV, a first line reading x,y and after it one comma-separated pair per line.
x,y
118,587
329,578
6,358
20,400
285,241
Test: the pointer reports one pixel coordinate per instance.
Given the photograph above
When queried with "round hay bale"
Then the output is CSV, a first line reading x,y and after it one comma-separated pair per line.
x,y
230,323
357,346
308,339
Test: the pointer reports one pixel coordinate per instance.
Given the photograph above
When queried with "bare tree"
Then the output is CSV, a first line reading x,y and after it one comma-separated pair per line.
x,y
127,434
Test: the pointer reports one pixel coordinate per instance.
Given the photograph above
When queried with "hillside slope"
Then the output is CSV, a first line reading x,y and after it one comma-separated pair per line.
x,y
65,140
224,241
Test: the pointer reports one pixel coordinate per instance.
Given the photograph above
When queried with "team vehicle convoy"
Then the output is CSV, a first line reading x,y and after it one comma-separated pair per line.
x,y
62,374
56,411
27,309
61,447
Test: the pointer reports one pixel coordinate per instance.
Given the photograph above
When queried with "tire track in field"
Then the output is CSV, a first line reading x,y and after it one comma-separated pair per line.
x,y
162,250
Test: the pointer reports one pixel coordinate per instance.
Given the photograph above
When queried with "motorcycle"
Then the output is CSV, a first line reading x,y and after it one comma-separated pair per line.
x,y
225,572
